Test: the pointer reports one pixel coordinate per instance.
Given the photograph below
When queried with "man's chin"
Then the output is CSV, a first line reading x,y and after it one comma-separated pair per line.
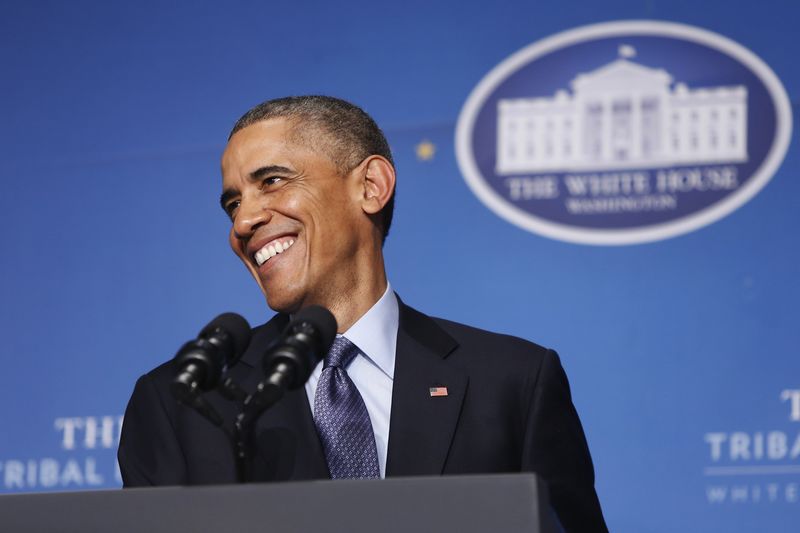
x,y
281,302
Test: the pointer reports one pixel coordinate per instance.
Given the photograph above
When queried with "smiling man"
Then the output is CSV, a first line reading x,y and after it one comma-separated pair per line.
x,y
307,211
308,183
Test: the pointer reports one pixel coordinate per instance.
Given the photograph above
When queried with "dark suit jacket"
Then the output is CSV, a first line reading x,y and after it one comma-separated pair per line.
x,y
508,409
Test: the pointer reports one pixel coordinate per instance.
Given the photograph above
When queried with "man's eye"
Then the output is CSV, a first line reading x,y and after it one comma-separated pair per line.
x,y
271,180
231,207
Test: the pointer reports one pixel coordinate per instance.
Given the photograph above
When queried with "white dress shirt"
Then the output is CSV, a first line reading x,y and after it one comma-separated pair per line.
x,y
372,371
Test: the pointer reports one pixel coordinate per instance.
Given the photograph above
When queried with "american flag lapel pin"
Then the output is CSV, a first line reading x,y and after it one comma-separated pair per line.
x,y
437,391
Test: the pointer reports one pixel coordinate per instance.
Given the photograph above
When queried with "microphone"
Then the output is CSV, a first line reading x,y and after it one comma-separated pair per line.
x,y
200,362
288,363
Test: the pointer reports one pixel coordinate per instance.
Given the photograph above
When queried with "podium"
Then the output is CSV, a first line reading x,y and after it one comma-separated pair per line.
x,y
464,504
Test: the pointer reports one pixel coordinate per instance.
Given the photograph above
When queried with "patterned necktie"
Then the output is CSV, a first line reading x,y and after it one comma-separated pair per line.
x,y
342,420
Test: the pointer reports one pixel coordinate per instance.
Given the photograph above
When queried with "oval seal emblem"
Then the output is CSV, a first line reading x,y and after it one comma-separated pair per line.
x,y
623,132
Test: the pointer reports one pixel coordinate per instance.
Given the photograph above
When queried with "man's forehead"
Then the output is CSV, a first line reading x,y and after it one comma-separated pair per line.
x,y
265,133
276,137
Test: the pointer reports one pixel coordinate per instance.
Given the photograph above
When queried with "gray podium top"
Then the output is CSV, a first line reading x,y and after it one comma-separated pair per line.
x,y
466,504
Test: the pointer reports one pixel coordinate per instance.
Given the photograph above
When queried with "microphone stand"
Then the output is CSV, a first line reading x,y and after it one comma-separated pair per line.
x,y
251,406
240,437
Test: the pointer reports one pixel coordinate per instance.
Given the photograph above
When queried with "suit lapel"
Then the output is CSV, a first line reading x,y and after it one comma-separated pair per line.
x,y
422,426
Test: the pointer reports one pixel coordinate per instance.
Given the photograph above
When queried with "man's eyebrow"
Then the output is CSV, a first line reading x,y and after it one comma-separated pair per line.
x,y
269,169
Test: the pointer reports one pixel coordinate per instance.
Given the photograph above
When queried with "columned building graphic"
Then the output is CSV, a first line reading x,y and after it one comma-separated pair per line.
x,y
622,115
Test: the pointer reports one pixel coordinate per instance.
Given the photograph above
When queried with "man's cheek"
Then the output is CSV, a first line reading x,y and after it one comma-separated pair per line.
x,y
237,246
233,241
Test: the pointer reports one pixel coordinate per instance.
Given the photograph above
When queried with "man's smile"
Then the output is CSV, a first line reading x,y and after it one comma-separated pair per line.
x,y
271,249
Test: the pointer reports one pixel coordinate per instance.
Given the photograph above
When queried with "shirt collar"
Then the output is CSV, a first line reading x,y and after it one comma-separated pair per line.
x,y
375,333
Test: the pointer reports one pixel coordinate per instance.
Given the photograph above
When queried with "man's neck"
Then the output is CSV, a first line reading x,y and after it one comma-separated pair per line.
x,y
348,308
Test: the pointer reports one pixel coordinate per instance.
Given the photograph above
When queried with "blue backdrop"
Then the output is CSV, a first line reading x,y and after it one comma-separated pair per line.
x,y
682,353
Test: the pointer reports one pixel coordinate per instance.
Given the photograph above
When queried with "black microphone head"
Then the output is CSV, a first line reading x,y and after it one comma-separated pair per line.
x,y
306,340
199,363
322,321
237,330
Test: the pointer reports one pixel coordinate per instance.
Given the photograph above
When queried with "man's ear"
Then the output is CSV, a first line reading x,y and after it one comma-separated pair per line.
x,y
378,181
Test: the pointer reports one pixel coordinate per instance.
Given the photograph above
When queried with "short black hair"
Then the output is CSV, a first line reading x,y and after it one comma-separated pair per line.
x,y
352,135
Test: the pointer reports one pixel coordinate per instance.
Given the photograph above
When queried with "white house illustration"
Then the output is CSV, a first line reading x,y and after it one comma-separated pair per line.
x,y
622,115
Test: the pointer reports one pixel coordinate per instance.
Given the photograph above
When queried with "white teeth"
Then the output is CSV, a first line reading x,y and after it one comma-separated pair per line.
x,y
271,250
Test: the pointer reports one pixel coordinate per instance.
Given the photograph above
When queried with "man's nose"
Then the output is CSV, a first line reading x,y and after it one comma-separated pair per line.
x,y
250,216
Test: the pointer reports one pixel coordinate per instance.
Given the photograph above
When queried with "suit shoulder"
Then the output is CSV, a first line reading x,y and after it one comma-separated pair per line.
x,y
461,331
496,345
162,371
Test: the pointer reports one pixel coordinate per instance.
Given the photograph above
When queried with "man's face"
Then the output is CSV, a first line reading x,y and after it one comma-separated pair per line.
x,y
297,222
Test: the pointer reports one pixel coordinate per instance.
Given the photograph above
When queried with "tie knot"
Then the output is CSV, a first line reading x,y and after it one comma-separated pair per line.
x,y
341,353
